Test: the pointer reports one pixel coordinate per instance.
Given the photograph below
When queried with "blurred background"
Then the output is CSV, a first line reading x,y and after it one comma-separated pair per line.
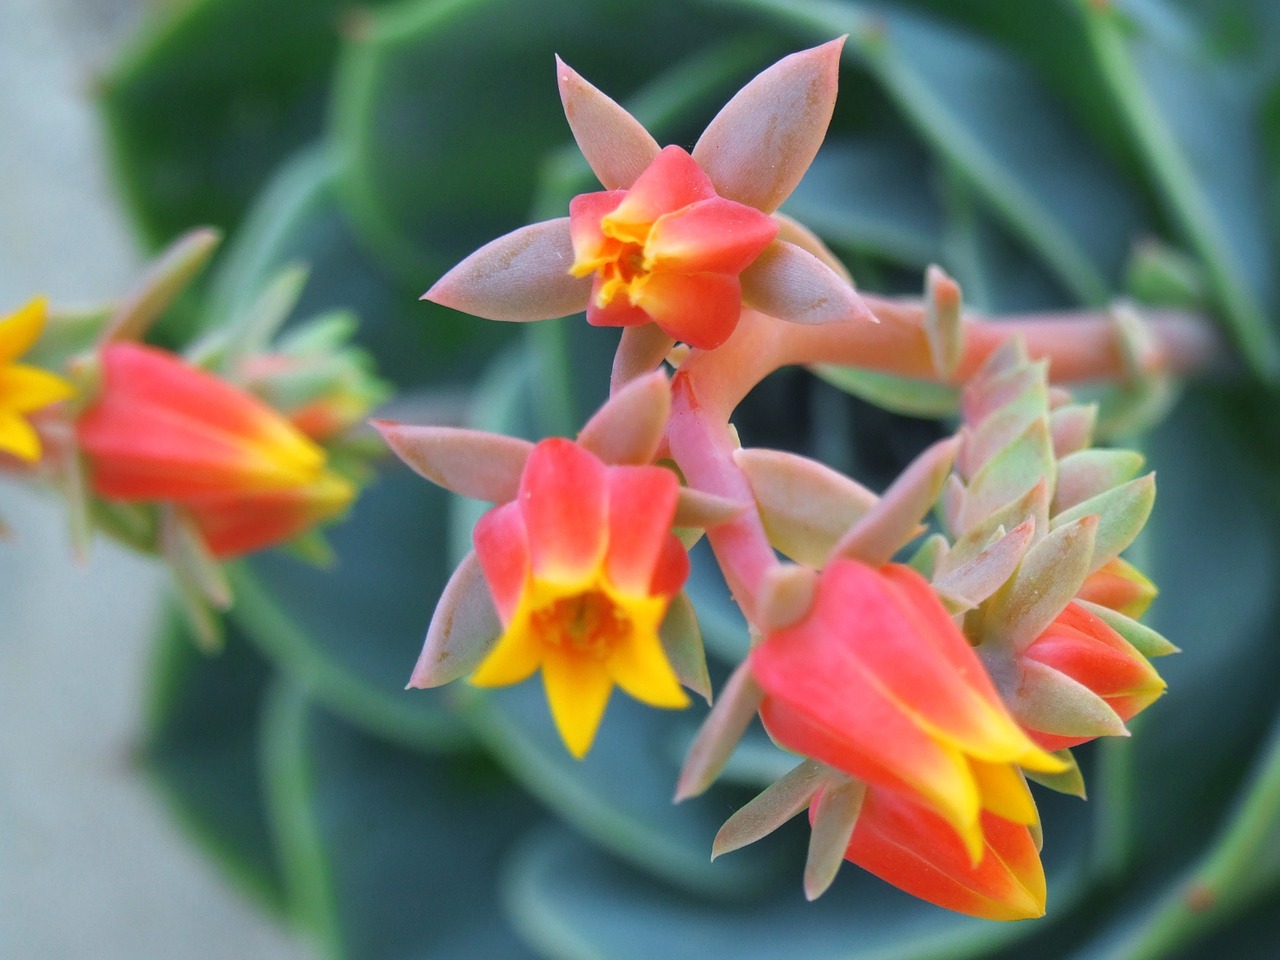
x,y
91,861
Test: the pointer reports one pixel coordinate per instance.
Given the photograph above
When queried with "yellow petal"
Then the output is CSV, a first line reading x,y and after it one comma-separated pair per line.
x,y
21,329
1004,791
578,689
17,437
639,666
24,389
514,658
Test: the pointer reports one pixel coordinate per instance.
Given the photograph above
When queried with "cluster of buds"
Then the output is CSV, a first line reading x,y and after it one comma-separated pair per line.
x,y
199,457
919,696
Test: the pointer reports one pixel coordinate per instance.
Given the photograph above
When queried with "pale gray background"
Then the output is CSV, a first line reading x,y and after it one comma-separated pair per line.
x,y
91,865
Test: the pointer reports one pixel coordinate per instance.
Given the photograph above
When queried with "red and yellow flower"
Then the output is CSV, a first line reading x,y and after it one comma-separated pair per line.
x,y
1083,648
162,430
24,389
878,682
582,566
668,250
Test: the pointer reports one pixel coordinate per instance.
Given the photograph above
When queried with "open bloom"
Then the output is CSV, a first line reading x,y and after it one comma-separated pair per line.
x,y
163,430
582,566
24,389
877,681
668,250
1095,663
910,846
683,240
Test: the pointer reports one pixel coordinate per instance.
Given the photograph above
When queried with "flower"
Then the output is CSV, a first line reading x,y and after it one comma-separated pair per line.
x,y
1096,664
24,389
878,682
668,250
683,240
913,848
582,566
162,430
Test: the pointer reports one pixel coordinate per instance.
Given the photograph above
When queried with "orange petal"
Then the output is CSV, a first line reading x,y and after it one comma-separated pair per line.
x,y
563,501
642,503
502,545
672,181
916,851
700,309
713,235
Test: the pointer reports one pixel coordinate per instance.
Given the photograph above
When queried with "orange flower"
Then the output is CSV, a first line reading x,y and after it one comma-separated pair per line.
x,y
667,250
1084,649
582,566
878,682
163,430
911,847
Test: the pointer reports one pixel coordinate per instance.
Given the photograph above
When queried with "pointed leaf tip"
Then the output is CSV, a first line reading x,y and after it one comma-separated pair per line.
x,y
615,144
484,466
760,144
789,283
464,628
629,427
519,277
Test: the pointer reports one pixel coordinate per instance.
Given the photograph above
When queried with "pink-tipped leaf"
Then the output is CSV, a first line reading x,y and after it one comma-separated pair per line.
x,y
484,466
463,629
616,145
761,143
628,427
792,284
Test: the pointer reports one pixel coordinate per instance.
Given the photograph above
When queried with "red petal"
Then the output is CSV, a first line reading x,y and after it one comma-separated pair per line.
x,y
502,546
917,851
563,500
672,181
642,503
671,570
700,309
863,621
586,211
715,235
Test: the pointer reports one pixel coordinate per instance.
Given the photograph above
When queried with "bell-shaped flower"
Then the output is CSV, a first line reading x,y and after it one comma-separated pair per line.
x,y
576,569
1079,680
24,389
681,240
582,566
877,681
910,846
162,430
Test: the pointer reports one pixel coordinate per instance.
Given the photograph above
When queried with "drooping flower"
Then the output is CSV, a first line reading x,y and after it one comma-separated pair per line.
x,y
683,240
910,846
668,250
24,389
877,681
582,566
1099,666
162,430
1120,586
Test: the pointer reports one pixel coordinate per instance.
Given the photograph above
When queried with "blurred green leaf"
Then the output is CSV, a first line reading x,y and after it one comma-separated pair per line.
x,y
390,854
353,632
443,156
200,749
573,903
1196,123
987,115
210,98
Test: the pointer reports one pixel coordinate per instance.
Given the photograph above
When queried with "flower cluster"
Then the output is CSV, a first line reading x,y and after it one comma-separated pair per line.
x,y
199,458
921,696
